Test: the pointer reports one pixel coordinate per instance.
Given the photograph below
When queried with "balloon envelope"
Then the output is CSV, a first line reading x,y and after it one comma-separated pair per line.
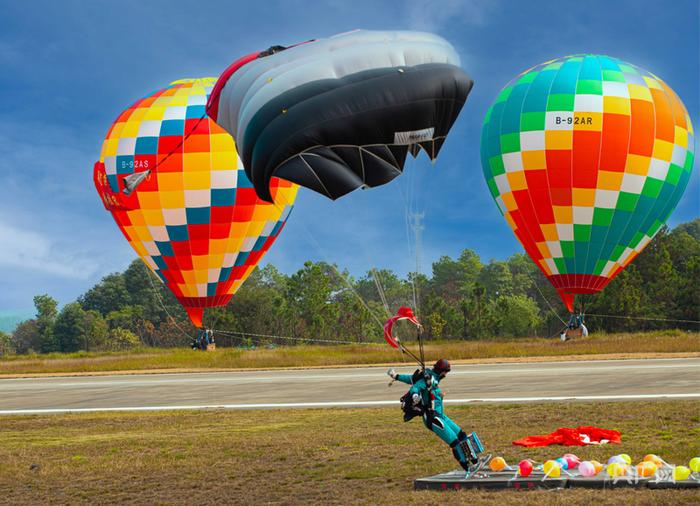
x,y
586,157
171,178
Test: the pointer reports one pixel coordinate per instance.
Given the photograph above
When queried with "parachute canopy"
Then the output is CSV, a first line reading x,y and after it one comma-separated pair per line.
x,y
404,313
336,114
170,177
586,157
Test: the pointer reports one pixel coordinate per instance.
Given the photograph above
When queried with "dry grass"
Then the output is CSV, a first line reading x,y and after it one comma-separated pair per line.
x,y
662,342
346,456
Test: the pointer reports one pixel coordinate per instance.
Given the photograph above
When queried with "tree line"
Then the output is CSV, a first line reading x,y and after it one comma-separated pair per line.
x,y
463,298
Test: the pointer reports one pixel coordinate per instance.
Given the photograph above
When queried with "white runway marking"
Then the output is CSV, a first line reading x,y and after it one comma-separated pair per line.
x,y
347,404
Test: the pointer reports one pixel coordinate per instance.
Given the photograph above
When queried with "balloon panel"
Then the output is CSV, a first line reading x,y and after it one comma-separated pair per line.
x,y
195,219
586,157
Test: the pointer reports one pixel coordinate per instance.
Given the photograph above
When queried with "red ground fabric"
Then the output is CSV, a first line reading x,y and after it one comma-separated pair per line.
x,y
581,436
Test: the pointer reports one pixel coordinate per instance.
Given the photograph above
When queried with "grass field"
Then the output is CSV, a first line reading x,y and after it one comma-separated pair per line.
x,y
343,456
663,342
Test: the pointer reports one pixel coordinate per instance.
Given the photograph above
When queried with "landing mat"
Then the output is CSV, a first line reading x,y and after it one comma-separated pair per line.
x,y
501,480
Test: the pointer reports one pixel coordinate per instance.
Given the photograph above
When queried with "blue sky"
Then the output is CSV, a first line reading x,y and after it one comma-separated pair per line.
x,y
68,69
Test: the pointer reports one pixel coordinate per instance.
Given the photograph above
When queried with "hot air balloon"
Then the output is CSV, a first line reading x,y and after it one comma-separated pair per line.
x,y
341,113
586,157
171,179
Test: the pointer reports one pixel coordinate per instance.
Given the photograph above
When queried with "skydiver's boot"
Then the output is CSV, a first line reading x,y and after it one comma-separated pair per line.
x,y
470,446
459,456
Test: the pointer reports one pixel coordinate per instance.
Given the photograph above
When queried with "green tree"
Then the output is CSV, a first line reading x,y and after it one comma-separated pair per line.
x,y
95,330
452,279
145,292
624,296
513,316
69,329
46,311
496,279
6,347
127,317
26,337
122,339
311,304
108,295
396,291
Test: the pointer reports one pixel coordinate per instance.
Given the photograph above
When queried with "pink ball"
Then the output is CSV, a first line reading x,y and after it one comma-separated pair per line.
x,y
586,469
572,460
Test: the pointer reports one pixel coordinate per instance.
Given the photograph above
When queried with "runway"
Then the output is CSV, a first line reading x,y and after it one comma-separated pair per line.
x,y
604,380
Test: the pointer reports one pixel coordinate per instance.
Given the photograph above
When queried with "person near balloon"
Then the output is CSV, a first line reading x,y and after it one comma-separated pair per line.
x,y
425,398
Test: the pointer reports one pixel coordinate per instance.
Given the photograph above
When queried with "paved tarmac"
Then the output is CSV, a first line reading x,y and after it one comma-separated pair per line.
x,y
364,386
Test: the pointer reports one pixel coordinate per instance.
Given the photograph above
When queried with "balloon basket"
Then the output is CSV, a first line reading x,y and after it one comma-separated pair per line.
x,y
508,480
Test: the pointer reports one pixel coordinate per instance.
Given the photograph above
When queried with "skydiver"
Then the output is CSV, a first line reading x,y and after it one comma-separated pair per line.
x,y
424,398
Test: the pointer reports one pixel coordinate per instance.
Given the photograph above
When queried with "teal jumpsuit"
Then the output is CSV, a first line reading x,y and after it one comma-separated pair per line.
x,y
434,417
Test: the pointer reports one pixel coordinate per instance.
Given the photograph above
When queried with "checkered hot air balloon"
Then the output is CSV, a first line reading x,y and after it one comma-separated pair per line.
x,y
173,183
586,157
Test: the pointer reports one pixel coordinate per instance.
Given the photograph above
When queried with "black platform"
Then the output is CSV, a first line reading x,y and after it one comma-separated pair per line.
x,y
491,480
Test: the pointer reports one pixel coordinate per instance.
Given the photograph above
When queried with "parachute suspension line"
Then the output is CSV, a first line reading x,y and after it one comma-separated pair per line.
x,y
416,222
420,346
342,276
162,305
372,271
413,222
380,290
408,352
643,318
286,338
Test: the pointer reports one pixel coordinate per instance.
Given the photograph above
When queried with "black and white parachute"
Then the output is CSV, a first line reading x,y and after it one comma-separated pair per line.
x,y
340,113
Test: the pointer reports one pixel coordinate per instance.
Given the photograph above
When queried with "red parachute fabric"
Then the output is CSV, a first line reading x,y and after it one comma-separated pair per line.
x,y
404,313
580,436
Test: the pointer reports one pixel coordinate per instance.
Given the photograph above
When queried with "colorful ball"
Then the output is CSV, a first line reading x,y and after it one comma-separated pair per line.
x,y
497,464
525,468
655,459
563,463
646,469
597,465
572,460
694,464
552,469
616,459
616,470
681,473
587,469
626,458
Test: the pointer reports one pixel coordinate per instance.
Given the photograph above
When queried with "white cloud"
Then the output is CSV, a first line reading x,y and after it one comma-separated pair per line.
x,y
432,15
31,250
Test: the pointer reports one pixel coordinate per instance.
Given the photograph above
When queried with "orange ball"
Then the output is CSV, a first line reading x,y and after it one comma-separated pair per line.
x,y
646,468
597,465
497,464
655,459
